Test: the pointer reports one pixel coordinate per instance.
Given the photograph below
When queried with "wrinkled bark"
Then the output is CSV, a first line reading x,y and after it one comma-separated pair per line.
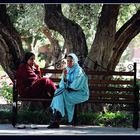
x,y
108,44
123,37
55,51
103,44
73,34
11,49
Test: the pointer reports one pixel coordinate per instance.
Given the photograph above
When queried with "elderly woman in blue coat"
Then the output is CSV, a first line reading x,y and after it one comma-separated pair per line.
x,y
73,89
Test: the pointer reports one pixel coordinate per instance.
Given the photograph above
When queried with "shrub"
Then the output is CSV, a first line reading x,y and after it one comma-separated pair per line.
x,y
118,119
36,117
115,119
5,116
6,91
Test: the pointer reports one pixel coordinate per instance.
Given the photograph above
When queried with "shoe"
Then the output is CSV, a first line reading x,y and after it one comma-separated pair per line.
x,y
22,126
33,126
53,125
58,116
50,110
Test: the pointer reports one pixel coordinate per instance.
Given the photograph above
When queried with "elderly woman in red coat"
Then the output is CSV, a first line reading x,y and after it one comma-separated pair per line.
x,y
29,80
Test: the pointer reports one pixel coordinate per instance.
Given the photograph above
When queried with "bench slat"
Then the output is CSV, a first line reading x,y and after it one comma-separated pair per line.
x,y
32,99
91,81
89,72
54,71
101,88
109,73
111,95
105,101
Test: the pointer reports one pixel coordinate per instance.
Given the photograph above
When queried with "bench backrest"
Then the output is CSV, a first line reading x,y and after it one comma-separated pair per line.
x,y
105,86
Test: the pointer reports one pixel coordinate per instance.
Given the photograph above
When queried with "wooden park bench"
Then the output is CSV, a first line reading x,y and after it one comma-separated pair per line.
x,y
109,87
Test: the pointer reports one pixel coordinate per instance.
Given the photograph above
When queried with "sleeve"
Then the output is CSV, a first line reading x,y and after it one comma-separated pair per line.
x,y
38,72
30,75
80,79
62,84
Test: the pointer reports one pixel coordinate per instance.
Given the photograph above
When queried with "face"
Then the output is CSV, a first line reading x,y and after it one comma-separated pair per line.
x,y
70,62
31,60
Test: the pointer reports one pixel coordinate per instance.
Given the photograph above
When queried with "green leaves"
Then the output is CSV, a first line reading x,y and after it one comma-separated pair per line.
x,y
6,92
27,18
126,12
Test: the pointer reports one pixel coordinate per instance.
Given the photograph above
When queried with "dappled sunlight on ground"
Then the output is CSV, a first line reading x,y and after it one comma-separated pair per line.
x,y
7,129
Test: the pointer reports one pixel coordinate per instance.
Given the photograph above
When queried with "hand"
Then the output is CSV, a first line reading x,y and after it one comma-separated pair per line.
x,y
65,74
36,66
49,94
65,71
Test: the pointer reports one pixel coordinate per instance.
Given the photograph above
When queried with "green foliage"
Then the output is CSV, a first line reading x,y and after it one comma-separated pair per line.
x,y
5,116
126,12
119,119
116,119
138,83
86,15
106,119
88,118
1,70
27,18
27,116
6,92
14,11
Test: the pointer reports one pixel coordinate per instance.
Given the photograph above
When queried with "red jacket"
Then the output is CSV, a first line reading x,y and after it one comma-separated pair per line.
x,y
30,83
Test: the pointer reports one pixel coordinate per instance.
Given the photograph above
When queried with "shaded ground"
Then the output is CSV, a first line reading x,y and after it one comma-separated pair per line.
x,y
7,129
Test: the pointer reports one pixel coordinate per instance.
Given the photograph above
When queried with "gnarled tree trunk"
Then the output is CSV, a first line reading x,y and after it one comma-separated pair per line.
x,y
108,44
73,34
11,50
102,47
123,37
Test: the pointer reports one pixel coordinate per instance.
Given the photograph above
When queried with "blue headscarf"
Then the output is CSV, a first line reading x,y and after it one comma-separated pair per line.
x,y
75,59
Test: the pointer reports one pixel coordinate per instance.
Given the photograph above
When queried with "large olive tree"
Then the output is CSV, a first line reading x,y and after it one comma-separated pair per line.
x,y
107,47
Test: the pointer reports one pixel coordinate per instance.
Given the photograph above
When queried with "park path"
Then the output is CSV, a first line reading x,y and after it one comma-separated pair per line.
x,y
7,129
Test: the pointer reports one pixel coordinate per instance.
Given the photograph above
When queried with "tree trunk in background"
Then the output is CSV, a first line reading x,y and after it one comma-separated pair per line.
x,y
11,49
55,50
108,44
73,34
123,37
101,49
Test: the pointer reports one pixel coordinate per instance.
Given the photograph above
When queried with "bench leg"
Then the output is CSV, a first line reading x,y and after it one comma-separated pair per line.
x,y
136,108
75,116
14,114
